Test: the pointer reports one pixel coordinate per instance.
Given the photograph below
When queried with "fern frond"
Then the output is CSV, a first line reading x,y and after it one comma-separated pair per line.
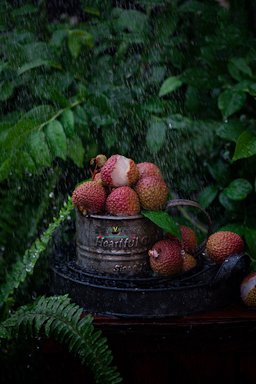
x,y
60,319
24,267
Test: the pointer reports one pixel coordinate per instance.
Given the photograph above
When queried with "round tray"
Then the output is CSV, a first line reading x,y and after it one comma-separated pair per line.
x,y
206,288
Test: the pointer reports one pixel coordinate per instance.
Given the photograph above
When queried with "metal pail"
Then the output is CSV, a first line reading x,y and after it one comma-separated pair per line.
x,y
114,245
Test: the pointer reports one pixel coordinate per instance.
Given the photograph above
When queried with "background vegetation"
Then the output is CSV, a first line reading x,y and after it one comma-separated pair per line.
x,y
173,82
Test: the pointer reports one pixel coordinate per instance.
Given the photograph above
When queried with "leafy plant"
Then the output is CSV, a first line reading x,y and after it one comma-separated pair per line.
x,y
60,319
171,82
56,316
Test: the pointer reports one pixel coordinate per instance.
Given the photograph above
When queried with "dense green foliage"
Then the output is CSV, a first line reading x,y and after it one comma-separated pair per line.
x,y
166,81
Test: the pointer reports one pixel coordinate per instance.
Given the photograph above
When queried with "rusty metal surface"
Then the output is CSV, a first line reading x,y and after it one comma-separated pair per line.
x,y
114,245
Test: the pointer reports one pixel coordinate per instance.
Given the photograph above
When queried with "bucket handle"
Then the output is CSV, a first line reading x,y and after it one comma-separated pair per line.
x,y
191,203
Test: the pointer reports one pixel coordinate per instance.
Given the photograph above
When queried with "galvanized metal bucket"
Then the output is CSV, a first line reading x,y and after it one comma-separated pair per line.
x,y
114,245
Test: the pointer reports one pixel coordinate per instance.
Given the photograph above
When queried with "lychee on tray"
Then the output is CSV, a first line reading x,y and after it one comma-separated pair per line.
x,y
123,227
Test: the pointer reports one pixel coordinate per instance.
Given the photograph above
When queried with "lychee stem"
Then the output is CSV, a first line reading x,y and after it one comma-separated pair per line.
x,y
153,253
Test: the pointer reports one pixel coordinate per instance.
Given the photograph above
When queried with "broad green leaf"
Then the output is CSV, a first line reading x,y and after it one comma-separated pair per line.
x,y
228,204
16,136
76,151
26,163
156,135
231,101
38,149
163,220
245,145
238,67
131,20
170,85
40,114
78,38
6,90
30,121
34,64
236,228
238,189
56,139
207,195
244,86
68,122
58,37
38,50
220,171
231,130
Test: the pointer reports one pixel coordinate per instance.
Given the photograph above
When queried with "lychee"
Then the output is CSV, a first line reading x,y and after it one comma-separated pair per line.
x,y
119,171
89,197
148,169
123,201
152,192
189,262
165,258
223,244
248,290
189,239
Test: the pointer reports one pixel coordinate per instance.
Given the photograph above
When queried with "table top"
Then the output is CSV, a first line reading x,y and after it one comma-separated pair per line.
x,y
233,315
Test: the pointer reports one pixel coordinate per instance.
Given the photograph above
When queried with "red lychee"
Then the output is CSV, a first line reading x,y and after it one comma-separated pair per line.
x,y
189,240
148,169
89,197
165,258
119,171
189,262
223,244
152,192
248,290
123,201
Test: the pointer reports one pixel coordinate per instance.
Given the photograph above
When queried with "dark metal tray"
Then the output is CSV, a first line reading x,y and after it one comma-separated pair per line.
x,y
206,287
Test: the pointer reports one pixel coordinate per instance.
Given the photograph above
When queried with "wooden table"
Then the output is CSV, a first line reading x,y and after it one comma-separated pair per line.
x,y
218,346
212,347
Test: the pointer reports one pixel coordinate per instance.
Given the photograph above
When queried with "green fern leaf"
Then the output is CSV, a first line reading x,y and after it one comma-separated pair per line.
x,y
50,315
25,266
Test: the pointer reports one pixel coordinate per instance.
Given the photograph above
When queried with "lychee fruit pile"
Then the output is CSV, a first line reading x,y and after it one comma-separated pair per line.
x,y
120,187
219,247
